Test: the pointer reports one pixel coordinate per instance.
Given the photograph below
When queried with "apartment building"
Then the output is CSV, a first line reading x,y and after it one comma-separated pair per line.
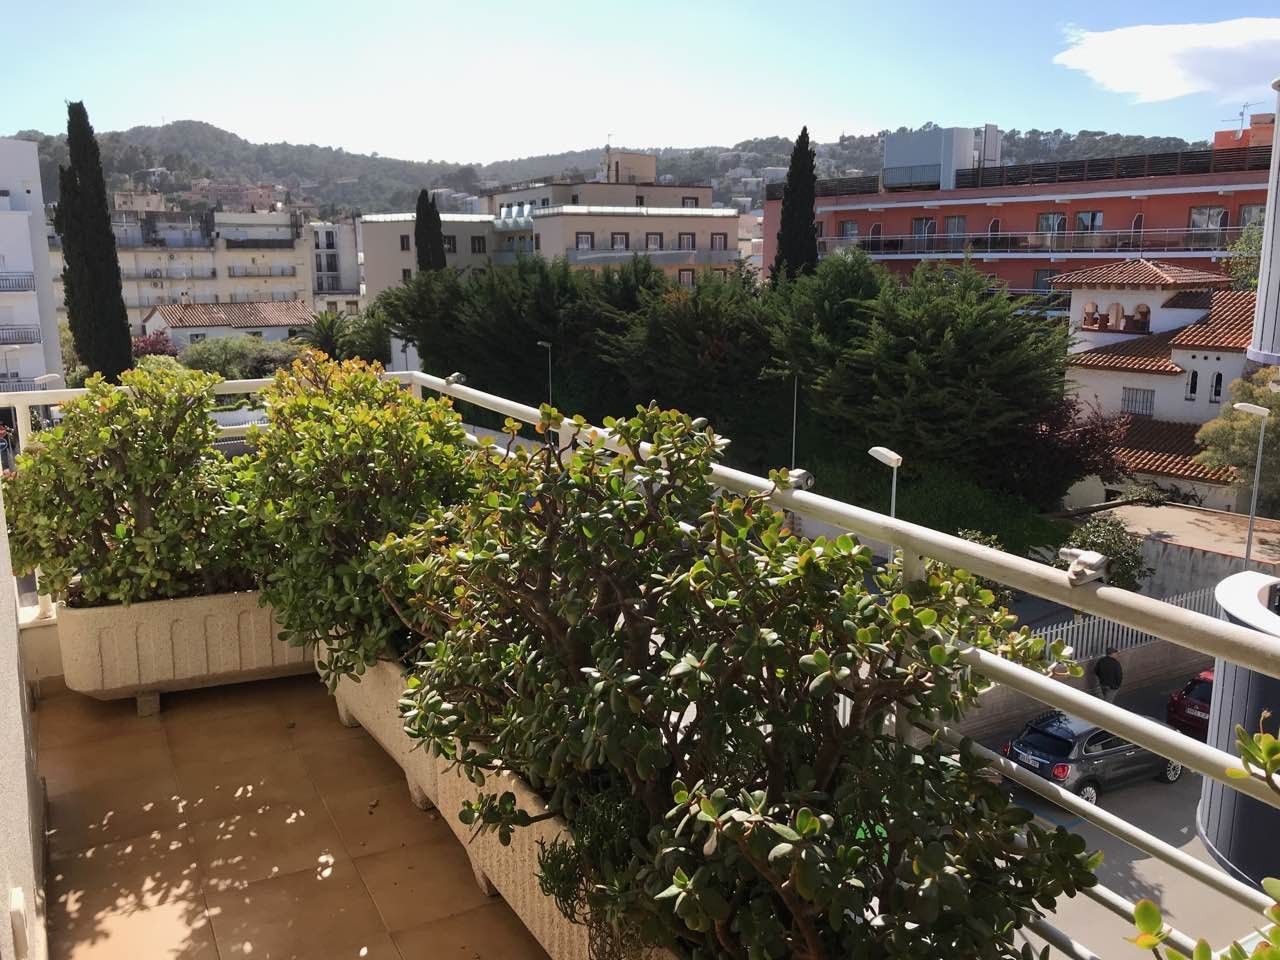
x,y
1160,342
336,266
218,257
1026,223
593,223
28,320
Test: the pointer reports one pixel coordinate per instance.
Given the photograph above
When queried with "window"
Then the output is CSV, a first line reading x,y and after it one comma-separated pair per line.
x,y
331,262
954,225
1251,213
319,263
1193,383
406,275
1054,222
1141,319
1137,401
1040,279
686,278
1208,218
328,240
1215,389
404,241
1088,221
573,199
545,202
722,273
450,243
923,226
254,333
317,238
653,241
994,226
1102,741
479,245
537,241
584,241
196,337
619,241
819,229
874,237
849,228
719,241
688,201
1138,221
353,306
639,199
686,241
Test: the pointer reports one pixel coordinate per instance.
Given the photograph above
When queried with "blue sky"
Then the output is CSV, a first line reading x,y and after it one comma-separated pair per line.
x,y
487,81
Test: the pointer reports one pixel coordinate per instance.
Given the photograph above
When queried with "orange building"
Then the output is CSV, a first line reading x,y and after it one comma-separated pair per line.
x,y
1026,223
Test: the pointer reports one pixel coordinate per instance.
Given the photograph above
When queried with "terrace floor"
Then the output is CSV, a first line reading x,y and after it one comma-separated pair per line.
x,y
246,822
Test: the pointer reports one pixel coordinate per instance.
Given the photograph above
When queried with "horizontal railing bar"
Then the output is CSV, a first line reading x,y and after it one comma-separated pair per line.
x,y
1108,899
1059,940
1118,827
1207,760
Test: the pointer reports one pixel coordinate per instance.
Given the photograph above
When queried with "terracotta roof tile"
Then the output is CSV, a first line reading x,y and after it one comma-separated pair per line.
x,y
1190,300
272,313
1167,450
1145,354
1228,325
1140,273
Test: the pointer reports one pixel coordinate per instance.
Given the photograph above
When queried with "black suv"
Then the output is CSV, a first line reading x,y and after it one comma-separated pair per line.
x,y
1084,758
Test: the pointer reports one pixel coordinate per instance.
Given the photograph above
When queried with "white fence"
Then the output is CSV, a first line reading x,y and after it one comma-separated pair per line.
x,y
1091,636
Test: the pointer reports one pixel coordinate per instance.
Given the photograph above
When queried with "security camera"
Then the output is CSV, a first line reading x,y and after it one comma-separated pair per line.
x,y
1084,565
800,479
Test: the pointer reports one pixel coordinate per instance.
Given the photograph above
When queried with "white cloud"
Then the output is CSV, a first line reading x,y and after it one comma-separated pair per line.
x,y
1154,62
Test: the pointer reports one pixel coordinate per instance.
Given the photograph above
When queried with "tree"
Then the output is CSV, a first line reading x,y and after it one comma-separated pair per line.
x,y
1111,538
1231,440
427,234
91,277
1069,441
797,238
327,330
1246,251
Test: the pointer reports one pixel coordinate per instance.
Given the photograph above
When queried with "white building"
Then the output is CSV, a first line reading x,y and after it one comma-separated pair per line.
x,y
337,266
28,318
188,323
1162,344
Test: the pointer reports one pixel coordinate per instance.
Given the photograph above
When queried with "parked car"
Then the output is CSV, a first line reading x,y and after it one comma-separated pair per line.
x,y
1084,758
1188,709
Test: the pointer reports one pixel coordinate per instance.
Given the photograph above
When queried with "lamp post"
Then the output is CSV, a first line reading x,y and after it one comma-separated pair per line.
x,y
546,345
894,461
795,407
1261,413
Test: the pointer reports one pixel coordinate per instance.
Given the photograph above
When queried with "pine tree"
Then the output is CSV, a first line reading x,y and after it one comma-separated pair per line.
x,y
91,275
428,235
797,239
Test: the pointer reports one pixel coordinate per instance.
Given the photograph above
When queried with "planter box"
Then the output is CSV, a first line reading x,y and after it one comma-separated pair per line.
x,y
144,649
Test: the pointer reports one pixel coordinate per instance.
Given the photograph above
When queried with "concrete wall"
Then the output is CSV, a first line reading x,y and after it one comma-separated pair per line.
x,y
385,262
24,248
1179,568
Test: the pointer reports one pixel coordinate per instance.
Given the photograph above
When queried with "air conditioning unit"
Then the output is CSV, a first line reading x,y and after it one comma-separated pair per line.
x,y
157,284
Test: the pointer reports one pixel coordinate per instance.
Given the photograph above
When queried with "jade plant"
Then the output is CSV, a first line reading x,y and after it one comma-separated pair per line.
x,y
127,498
347,457
704,699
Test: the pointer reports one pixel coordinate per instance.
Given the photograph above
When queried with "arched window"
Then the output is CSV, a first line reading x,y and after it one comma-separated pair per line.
x,y
874,235
1215,389
1090,316
1193,384
1142,318
1138,220
1115,316
994,225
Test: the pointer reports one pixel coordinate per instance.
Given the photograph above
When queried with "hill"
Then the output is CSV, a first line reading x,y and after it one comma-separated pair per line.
x,y
341,180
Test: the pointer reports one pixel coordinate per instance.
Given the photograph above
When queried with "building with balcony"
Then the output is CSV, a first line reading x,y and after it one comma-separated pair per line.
x,y
28,320
337,266
1160,343
1026,223
218,257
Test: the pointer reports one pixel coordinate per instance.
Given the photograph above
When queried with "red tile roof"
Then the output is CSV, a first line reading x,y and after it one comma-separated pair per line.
x,y
273,313
1140,273
1190,300
1145,354
1167,450
1228,326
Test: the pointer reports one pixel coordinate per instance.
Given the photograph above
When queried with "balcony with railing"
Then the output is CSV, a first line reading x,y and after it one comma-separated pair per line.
x,y
17,281
281,270
696,257
250,807
260,243
18,333
1210,242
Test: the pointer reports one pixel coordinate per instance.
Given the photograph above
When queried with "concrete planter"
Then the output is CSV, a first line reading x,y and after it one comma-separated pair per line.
x,y
144,649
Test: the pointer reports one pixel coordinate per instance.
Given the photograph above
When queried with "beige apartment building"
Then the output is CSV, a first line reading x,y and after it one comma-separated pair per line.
x,y
592,223
174,258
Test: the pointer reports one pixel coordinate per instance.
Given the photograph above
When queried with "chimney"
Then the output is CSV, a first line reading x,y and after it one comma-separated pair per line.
x,y
1264,348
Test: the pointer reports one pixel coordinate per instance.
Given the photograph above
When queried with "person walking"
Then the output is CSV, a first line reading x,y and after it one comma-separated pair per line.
x,y
1110,675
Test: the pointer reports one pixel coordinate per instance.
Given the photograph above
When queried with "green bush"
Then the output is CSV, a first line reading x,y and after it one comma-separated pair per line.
x,y
1110,537
704,697
127,499
240,358
347,458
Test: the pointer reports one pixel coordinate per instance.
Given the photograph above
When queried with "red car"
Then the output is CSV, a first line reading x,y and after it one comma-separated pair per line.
x,y
1188,708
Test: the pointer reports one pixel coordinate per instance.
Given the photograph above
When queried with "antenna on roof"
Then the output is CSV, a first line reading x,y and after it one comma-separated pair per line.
x,y
1240,117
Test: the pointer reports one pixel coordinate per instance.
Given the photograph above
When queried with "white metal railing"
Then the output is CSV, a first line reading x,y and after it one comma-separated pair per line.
x,y
1181,625
1091,636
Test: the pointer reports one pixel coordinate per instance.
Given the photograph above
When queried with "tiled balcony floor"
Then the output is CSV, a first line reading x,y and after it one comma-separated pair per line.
x,y
245,822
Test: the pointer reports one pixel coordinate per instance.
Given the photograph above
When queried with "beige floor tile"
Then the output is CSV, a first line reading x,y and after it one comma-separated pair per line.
x,y
123,876
128,757
283,838
427,881
245,733
175,930
316,724
114,810
381,818
72,718
209,702
244,785
491,932
345,765
375,946
297,915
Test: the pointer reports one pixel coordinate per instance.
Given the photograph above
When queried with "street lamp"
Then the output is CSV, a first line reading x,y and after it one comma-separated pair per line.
x,y
546,345
1254,410
894,461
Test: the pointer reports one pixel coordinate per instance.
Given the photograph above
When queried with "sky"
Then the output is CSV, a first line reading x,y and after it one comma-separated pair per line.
x,y
488,81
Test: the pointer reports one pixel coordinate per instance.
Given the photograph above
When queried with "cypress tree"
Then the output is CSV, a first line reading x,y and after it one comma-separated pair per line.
x,y
797,239
428,234
91,276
